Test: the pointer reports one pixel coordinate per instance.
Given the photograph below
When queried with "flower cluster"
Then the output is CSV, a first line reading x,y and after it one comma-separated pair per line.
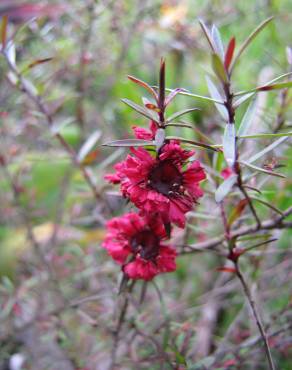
x,y
164,186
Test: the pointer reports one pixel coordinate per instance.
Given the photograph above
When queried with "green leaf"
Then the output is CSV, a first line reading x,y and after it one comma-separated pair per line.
x,y
258,245
249,40
172,95
267,149
201,97
138,108
129,142
176,115
277,210
267,86
225,188
217,97
229,144
263,170
218,68
266,135
192,142
179,125
247,118
217,42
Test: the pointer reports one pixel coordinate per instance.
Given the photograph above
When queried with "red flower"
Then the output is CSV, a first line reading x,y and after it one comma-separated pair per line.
x,y
161,185
142,133
135,242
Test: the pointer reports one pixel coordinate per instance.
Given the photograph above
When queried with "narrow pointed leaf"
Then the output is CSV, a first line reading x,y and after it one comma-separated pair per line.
x,y
161,96
277,210
229,53
4,24
149,105
266,135
201,97
258,245
90,157
218,68
176,115
217,96
159,138
217,42
172,95
226,269
263,170
247,118
192,142
237,211
138,108
278,86
229,144
249,40
37,62
225,188
129,142
179,125
266,85
267,149
11,53
88,146
207,34
242,99
143,84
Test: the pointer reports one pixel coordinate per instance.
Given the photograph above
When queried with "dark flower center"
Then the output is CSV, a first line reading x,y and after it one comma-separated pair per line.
x,y
145,243
166,179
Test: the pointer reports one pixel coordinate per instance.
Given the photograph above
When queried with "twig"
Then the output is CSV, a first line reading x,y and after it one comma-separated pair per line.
x,y
117,330
277,223
80,83
37,100
256,315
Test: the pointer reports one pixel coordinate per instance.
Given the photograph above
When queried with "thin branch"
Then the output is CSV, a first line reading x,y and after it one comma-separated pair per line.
x,y
256,315
116,332
37,100
277,223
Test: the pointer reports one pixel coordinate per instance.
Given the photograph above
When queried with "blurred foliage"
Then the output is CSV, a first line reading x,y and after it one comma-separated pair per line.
x,y
94,45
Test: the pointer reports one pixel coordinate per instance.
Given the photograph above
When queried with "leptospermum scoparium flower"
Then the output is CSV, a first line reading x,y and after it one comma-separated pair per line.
x,y
161,185
164,185
135,242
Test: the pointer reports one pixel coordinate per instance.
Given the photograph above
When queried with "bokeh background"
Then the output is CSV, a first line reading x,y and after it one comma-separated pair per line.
x,y
59,300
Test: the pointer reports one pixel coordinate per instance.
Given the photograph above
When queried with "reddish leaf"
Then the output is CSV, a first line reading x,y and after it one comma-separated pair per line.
x,y
143,84
278,86
161,97
39,61
90,157
229,53
237,211
152,107
226,269
4,31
